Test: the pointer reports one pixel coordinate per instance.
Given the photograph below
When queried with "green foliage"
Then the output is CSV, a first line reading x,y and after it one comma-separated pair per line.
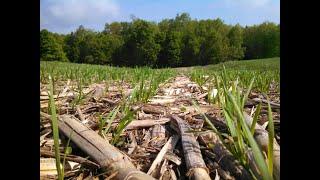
x,y
255,118
213,49
109,119
191,45
262,41
87,46
128,116
140,46
180,41
55,130
85,74
235,109
147,86
67,151
50,48
271,138
233,84
265,71
172,49
235,36
232,80
232,102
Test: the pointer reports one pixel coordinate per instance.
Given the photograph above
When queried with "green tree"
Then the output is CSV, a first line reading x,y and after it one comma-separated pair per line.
x,y
262,41
109,44
179,41
190,44
73,42
172,49
87,46
113,28
235,36
214,49
50,48
140,46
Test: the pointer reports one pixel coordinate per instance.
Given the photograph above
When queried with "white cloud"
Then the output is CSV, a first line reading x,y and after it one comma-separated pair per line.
x,y
61,14
248,3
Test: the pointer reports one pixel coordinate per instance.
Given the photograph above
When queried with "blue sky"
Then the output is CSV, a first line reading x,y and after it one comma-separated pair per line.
x,y
64,16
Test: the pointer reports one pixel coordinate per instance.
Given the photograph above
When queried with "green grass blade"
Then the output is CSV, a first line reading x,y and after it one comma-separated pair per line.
x,y
122,125
245,97
233,131
257,154
271,138
55,130
113,114
102,122
218,89
67,151
255,118
205,117
230,124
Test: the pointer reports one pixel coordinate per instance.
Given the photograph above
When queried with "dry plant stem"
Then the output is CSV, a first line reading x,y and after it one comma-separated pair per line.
x,y
173,158
173,143
111,176
81,116
152,109
202,95
48,167
173,174
43,98
163,168
66,87
98,92
215,166
162,101
158,131
258,100
45,115
107,156
253,166
136,124
194,162
160,156
47,177
170,155
224,157
199,174
217,122
261,136
111,102
73,158
203,108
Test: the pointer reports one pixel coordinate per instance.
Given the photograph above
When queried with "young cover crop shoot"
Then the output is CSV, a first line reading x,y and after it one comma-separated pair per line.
x,y
148,119
175,98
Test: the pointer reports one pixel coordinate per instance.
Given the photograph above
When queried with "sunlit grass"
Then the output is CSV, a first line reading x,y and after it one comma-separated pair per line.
x,y
55,130
228,86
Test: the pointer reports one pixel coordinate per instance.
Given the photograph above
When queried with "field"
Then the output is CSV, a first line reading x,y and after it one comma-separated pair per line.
x,y
217,121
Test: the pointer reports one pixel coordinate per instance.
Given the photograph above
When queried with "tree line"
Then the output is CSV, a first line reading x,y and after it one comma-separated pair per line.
x,y
180,41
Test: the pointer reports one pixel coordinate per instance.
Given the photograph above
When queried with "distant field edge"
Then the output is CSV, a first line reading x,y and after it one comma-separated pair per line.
x,y
252,64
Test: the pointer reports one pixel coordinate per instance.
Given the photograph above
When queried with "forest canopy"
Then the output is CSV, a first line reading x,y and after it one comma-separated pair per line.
x,y
180,41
